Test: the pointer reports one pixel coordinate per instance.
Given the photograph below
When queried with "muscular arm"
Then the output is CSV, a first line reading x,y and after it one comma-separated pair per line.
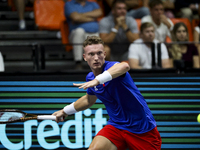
x,y
196,37
107,37
196,61
132,36
85,17
118,69
82,103
166,63
85,102
115,71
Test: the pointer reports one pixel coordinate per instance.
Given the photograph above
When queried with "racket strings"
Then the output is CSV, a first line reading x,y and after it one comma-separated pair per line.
x,y
10,116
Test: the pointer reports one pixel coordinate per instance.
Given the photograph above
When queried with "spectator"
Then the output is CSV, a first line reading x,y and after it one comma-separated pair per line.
x,y
140,51
2,68
197,37
137,10
169,8
188,8
117,30
82,18
162,24
20,6
183,55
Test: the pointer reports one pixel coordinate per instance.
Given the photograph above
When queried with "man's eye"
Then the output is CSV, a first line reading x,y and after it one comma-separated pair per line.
x,y
99,53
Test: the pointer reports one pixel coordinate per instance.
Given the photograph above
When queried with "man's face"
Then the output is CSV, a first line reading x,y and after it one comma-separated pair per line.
x,y
119,10
156,11
148,34
95,56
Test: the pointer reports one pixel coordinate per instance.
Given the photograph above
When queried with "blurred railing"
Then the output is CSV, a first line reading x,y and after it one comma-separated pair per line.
x,y
39,60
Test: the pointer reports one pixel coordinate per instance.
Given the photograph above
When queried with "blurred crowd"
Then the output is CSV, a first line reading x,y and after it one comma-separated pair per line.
x,y
134,30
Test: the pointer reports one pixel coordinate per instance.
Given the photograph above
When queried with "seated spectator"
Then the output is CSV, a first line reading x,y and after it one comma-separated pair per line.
x,y
82,18
187,8
183,55
197,37
135,10
169,8
162,24
117,31
140,51
20,6
2,68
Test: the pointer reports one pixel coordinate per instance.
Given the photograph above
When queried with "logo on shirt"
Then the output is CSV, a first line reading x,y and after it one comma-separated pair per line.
x,y
95,88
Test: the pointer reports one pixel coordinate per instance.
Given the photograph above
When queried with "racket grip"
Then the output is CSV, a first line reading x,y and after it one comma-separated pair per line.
x,y
46,117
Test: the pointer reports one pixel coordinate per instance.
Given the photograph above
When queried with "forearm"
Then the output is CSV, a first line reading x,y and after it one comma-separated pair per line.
x,y
109,37
196,38
132,36
80,18
166,63
82,103
93,14
134,63
196,61
118,69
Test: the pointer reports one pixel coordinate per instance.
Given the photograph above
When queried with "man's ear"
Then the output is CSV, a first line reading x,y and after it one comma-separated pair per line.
x,y
84,57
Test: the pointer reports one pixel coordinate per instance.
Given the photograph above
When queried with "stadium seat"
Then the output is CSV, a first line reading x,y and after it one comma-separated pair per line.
x,y
64,29
49,14
138,23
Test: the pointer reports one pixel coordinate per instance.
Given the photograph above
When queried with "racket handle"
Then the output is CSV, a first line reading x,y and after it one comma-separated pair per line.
x,y
46,117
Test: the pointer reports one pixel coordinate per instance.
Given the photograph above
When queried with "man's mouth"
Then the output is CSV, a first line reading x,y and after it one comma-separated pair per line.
x,y
96,64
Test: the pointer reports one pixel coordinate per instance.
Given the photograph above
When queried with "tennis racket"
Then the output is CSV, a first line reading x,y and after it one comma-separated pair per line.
x,y
14,115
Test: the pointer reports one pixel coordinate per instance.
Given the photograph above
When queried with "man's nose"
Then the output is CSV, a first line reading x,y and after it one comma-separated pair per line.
x,y
95,56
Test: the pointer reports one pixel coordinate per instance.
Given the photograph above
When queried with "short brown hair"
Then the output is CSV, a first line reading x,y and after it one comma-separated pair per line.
x,y
145,25
153,3
117,1
93,40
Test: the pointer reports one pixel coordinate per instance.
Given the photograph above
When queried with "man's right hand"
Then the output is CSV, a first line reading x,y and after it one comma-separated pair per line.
x,y
60,115
120,20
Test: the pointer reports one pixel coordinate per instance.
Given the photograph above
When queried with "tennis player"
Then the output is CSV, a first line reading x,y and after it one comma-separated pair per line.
x,y
131,124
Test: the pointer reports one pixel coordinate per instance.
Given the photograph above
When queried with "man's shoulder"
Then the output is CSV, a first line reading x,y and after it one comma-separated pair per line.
x,y
136,45
106,18
146,18
138,41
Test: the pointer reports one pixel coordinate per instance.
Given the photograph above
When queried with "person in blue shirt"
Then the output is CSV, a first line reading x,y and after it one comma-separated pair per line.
x,y
81,16
131,124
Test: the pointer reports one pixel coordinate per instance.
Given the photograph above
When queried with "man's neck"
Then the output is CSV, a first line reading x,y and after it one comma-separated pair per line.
x,y
156,21
147,43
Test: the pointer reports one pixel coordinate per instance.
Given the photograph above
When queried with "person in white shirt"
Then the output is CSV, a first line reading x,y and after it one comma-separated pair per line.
x,y
163,25
140,55
2,67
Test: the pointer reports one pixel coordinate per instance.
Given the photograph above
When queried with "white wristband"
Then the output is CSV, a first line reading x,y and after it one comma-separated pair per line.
x,y
69,109
114,30
104,77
